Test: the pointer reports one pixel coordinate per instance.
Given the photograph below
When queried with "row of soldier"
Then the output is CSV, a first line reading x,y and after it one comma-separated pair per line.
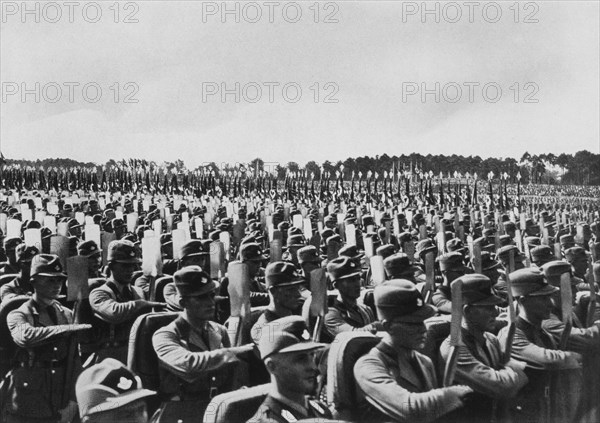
x,y
195,327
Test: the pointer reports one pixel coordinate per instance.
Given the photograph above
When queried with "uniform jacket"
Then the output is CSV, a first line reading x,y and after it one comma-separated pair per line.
x,y
479,367
400,387
37,387
190,366
115,318
341,319
273,410
441,298
542,399
14,289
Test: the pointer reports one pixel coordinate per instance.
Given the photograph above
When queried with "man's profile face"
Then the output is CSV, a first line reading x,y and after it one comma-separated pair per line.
x,y
48,287
411,335
123,272
349,287
296,371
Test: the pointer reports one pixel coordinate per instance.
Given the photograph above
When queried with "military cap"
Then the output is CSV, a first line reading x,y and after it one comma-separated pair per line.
x,y
308,254
281,273
294,231
425,246
567,241
418,219
166,239
192,248
326,233
286,335
505,240
530,282
503,252
477,290
214,235
108,385
330,219
404,237
542,253
489,232
130,236
31,224
117,223
400,300
456,244
533,240
11,243
122,252
509,226
25,253
575,253
398,264
334,238
351,251
487,262
88,248
452,261
367,220
484,244
192,281
385,250
349,220
296,241
555,268
342,268
46,265
252,252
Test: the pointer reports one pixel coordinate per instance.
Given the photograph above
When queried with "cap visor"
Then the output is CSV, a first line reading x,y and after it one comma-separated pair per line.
x,y
351,275
51,274
546,290
121,400
131,260
302,346
418,316
489,301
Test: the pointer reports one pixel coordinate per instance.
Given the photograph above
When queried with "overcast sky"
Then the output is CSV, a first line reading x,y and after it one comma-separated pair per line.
x,y
367,66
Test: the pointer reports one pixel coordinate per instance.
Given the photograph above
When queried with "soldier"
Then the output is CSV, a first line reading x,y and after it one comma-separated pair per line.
x,y
196,358
11,266
284,285
117,303
346,314
452,267
90,250
577,258
480,362
398,266
109,392
394,380
41,387
539,400
21,285
192,254
290,358
541,255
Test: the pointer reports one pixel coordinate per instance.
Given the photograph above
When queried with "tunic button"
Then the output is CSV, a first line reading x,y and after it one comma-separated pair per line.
x,y
25,384
214,378
55,348
53,371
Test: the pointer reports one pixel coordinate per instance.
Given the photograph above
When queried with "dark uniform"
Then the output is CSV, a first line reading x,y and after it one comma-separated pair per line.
x,y
288,335
276,409
554,375
399,383
480,362
38,388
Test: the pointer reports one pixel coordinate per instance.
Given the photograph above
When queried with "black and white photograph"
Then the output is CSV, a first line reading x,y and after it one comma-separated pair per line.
x,y
355,211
